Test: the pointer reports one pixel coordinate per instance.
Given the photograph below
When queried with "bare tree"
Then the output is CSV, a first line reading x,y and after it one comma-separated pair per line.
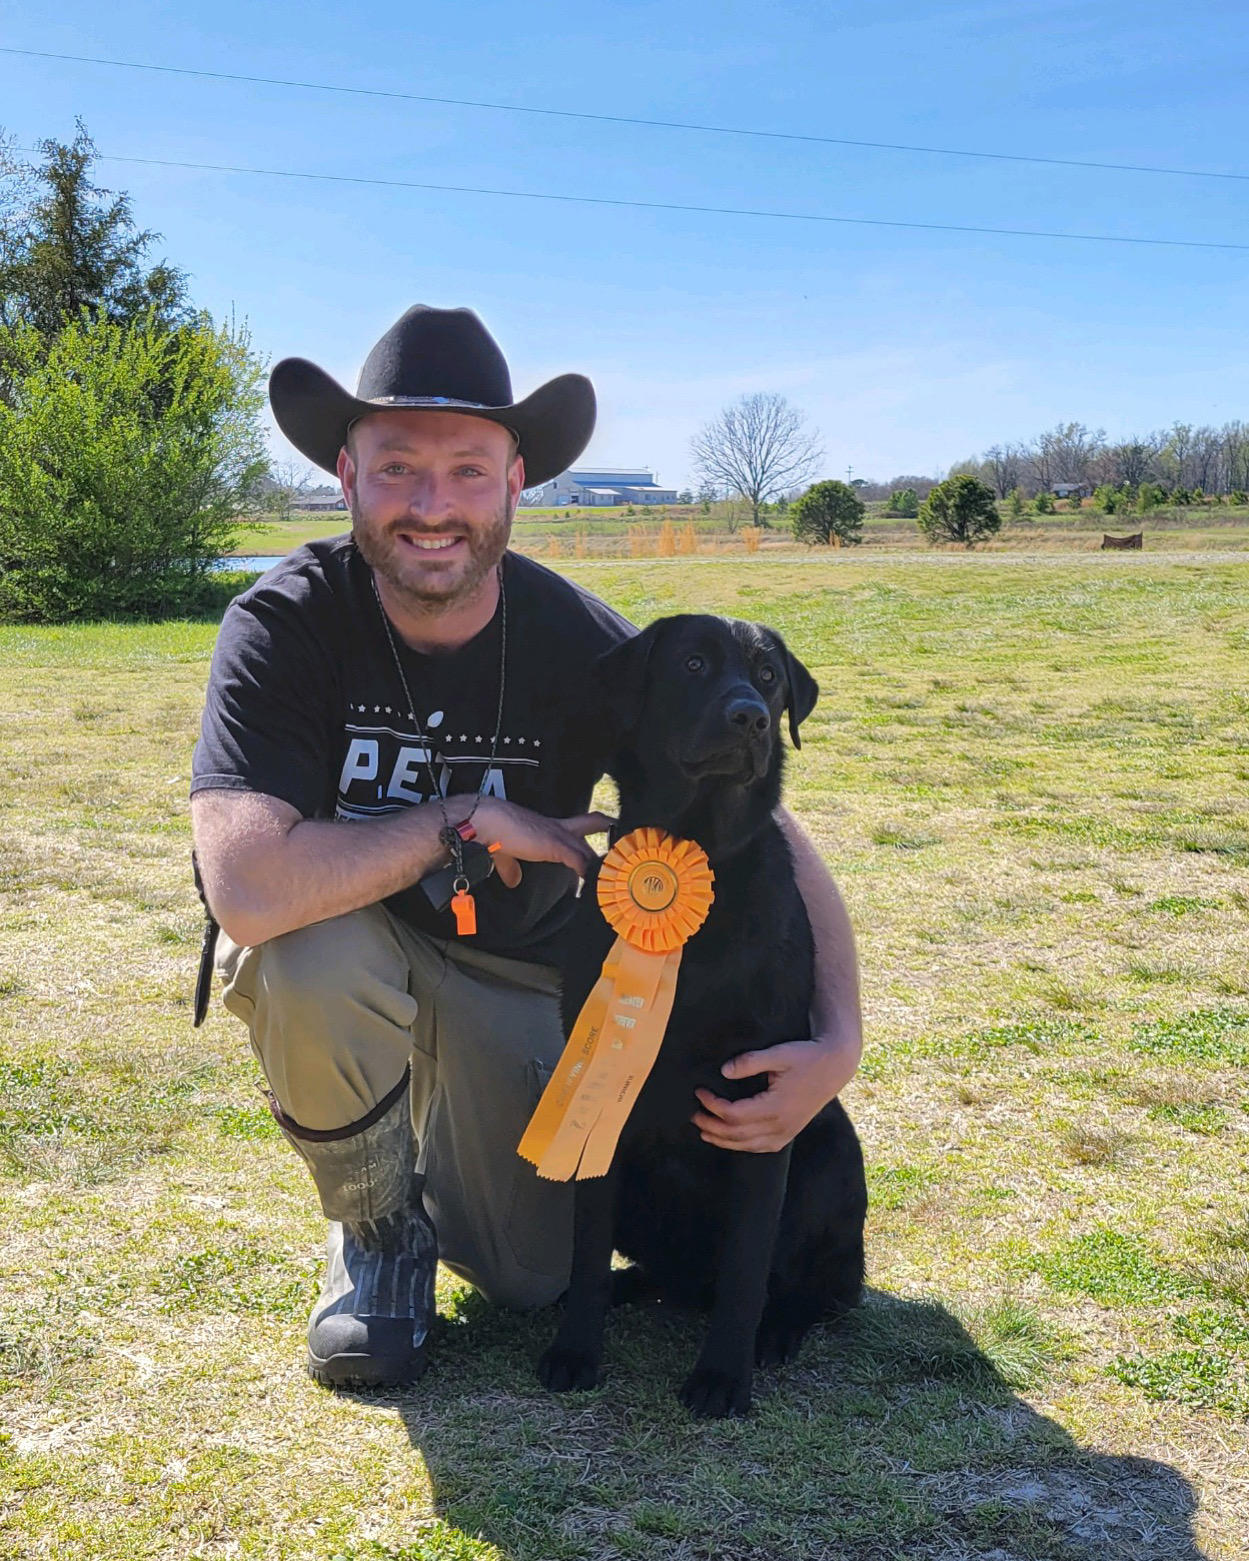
x,y
287,483
1235,459
1205,459
1173,458
1006,462
1040,459
1134,459
758,447
1071,449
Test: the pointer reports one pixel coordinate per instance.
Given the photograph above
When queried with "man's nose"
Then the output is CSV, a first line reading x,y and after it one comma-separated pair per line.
x,y
428,496
749,715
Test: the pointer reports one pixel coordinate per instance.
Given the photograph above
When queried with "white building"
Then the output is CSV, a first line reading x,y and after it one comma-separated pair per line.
x,y
603,485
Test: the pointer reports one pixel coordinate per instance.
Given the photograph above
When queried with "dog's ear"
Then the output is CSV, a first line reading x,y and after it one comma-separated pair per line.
x,y
621,676
803,690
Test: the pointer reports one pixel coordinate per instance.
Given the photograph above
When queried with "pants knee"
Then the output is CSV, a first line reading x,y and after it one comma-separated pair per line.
x,y
331,1014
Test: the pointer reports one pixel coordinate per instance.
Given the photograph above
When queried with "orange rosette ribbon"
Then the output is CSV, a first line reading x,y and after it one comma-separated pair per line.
x,y
655,892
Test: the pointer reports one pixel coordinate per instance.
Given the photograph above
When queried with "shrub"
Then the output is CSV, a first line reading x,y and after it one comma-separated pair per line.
x,y
960,509
1045,503
1110,499
1238,496
1015,504
903,502
828,510
127,452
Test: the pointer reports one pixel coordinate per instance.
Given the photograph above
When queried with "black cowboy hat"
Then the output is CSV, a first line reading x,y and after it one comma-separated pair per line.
x,y
445,360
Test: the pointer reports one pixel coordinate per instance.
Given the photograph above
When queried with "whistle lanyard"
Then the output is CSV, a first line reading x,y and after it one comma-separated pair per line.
x,y
449,835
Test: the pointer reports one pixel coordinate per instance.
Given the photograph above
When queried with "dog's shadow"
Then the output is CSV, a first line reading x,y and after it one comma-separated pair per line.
x,y
894,1435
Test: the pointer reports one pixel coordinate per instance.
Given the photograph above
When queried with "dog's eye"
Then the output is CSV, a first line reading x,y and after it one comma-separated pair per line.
x,y
694,664
767,674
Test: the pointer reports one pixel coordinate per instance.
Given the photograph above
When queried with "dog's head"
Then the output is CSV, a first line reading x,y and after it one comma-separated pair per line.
x,y
698,703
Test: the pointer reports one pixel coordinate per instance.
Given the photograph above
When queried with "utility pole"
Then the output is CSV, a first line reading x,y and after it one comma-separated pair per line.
x,y
849,474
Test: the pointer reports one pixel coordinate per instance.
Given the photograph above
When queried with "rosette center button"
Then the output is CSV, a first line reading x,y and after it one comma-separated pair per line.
x,y
653,886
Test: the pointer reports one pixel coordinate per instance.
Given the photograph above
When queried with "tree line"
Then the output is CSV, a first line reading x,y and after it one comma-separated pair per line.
x,y
1181,459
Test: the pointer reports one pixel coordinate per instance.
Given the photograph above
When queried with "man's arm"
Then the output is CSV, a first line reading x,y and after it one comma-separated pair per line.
x,y
268,870
803,1075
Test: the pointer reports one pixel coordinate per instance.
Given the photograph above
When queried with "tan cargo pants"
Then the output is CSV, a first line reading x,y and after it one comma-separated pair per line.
x,y
338,1010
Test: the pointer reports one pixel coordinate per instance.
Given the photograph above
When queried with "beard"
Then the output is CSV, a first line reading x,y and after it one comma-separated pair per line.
x,y
431,589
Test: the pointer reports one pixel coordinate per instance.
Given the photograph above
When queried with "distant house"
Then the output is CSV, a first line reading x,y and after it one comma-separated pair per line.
x,y
603,485
320,499
1068,490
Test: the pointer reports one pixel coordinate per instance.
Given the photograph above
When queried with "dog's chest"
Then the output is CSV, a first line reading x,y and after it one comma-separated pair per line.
x,y
741,988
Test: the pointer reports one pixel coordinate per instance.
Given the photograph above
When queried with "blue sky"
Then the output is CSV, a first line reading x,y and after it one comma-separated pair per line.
x,y
908,350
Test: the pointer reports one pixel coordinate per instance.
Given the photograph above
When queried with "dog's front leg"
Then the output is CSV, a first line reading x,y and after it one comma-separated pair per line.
x,y
721,1381
576,1353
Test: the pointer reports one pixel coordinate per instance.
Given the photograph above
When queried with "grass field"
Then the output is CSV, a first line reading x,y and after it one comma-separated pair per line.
x,y
1030,778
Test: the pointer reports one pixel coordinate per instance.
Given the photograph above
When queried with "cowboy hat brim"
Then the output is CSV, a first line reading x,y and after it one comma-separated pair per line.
x,y
553,425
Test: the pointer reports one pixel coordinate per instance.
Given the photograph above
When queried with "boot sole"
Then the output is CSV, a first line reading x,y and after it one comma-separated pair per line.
x,y
367,1371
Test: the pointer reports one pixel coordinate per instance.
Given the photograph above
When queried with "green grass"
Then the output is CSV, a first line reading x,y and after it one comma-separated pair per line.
x,y
1028,774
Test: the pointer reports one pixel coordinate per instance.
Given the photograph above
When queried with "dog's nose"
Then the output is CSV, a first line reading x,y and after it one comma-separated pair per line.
x,y
750,716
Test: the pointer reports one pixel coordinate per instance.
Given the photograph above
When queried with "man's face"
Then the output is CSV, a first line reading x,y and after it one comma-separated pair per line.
x,y
432,495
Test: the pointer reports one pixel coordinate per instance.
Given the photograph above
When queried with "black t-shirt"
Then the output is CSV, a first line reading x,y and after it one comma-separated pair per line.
x,y
305,703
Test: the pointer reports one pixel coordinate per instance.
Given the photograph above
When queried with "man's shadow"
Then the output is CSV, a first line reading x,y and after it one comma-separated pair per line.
x,y
894,1435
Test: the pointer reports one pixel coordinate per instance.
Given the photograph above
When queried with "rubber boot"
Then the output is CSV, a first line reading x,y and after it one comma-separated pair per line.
x,y
371,1326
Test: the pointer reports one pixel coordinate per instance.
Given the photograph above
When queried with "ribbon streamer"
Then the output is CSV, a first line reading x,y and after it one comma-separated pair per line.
x,y
655,892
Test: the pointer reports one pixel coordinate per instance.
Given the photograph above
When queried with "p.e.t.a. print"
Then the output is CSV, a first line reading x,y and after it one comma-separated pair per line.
x,y
387,766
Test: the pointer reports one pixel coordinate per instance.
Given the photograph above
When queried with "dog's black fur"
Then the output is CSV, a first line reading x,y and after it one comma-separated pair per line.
x,y
769,1243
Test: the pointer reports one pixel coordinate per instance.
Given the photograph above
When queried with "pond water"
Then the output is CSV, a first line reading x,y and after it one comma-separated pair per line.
x,y
251,561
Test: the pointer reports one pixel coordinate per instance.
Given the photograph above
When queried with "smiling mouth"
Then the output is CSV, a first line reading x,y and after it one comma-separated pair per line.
x,y
430,544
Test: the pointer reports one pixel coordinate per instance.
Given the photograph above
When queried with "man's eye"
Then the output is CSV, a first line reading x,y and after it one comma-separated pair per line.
x,y
694,664
767,674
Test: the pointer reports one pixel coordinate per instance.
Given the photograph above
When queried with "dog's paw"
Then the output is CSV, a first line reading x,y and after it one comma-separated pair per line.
x,y
778,1341
781,1332
568,1371
711,1395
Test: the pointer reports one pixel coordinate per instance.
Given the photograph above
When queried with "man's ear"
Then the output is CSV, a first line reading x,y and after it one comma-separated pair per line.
x,y
621,675
802,690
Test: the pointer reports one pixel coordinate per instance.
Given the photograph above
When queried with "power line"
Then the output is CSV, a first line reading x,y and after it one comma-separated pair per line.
x,y
624,119
712,211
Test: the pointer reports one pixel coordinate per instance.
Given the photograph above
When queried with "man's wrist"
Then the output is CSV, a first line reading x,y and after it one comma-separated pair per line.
x,y
840,1052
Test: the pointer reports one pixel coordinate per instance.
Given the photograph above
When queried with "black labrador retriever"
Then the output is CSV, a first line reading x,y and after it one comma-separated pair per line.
x,y
769,1243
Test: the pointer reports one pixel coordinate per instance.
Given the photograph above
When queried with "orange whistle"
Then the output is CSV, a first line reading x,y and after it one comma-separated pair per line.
x,y
464,908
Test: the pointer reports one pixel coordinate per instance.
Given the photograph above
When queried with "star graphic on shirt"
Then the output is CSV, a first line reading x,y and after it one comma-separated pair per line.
x,y
507,739
536,743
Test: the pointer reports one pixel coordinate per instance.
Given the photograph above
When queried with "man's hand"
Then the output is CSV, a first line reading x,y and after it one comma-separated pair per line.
x,y
803,1076
531,838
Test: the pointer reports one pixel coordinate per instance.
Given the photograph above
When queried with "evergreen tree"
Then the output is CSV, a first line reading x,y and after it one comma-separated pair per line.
x,y
69,247
826,510
960,509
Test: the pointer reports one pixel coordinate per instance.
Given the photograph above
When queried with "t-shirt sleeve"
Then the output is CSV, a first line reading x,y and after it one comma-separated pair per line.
x,y
270,701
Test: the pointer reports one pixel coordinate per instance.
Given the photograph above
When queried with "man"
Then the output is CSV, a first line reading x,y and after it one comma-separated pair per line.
x,y
434,690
